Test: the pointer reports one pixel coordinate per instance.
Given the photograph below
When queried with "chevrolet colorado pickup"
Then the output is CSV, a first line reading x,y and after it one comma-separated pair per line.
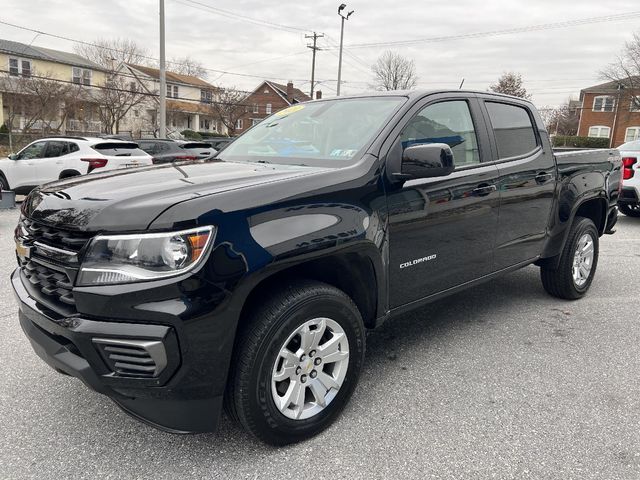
x,y
247,282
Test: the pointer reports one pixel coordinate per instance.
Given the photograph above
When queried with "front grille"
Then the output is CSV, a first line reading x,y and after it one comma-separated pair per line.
x,y
52,265
133,358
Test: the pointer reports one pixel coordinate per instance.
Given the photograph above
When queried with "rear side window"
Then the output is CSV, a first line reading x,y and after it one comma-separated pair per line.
x,y
120,149
56,149
512,128
72,147
196,145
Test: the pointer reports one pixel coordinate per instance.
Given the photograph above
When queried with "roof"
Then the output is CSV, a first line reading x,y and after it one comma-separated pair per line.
x,y
40,53
172,76
612,86
188,107
298,95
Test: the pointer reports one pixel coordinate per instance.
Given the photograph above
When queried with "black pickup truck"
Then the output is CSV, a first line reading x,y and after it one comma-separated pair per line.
x,y
248,281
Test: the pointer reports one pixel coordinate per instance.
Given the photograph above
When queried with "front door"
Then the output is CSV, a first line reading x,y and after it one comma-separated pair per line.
x,y
442,230
26,171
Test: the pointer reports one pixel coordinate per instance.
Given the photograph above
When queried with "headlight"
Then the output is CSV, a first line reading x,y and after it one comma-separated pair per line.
x,y
114,259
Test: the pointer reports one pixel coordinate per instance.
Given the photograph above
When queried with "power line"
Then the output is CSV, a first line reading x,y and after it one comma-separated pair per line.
x,y
509,31
238,16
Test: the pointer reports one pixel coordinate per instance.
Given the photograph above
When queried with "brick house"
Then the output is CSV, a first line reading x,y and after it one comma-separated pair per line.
x,y
269,97
611,110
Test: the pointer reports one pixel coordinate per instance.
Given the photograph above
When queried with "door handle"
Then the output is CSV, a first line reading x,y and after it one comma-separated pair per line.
x,y
543,177
483,190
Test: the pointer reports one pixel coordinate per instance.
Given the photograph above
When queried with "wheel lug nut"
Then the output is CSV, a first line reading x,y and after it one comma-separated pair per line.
x,y
298,370
312,353
313,374
317,361
303,357
303,378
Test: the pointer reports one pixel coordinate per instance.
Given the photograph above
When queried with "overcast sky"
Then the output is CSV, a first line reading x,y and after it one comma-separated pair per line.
x,y
554,63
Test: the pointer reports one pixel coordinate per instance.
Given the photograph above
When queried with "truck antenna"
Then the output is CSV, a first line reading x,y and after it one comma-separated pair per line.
x,y
461,84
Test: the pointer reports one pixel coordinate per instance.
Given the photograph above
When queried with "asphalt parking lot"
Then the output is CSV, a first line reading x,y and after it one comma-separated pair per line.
x,y
502,381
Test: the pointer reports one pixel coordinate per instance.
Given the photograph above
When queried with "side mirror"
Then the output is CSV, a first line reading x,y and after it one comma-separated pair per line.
x,y
13,156
427,160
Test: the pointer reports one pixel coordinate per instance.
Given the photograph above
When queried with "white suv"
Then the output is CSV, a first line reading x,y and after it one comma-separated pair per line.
x,y
54,158
629,201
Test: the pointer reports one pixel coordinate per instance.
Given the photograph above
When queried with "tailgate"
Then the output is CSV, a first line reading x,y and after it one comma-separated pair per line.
x,y
123,154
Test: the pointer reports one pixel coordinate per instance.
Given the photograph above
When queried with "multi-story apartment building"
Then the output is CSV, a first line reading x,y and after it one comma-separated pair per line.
x,y
611,110
46,90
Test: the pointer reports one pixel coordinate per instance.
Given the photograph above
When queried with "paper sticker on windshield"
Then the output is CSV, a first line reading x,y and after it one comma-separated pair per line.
x,y
343,153
289,110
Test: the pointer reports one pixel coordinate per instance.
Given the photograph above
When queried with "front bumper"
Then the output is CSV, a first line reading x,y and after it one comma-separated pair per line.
x,y
68,345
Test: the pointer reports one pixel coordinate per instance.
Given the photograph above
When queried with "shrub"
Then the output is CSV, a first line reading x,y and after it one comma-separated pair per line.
x,y
580,142
212,135
191,135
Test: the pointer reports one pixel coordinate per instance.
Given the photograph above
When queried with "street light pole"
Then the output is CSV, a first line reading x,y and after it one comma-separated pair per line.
x,y
343,18
163,78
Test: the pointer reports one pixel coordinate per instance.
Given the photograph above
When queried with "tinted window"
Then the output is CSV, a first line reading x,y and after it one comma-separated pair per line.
x,y
445,122
35,150
119,149
56,149
73,147
512,128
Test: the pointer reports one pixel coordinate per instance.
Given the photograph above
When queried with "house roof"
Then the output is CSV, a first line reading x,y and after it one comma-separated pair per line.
x,y
172,76
29,51
612,87
187,107
298,95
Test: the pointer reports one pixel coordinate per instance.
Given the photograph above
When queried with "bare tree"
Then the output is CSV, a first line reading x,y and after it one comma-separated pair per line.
x,y
561,120
510,83
41,102
625,70
110,53
188,66
229,107
120,94
392,71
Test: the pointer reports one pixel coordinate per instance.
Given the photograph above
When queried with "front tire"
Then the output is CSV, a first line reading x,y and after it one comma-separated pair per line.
x,y
578,261
630,209
4,185
296,363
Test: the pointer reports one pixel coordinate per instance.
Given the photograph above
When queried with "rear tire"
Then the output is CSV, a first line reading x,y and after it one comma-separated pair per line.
x,y
630,209
296,363
578,262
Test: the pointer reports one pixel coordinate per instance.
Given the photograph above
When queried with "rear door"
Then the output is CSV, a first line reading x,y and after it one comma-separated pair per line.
x,y
527,180
122,154
52,165
442,230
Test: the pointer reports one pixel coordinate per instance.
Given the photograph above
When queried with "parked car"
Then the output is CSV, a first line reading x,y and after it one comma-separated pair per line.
x,y
167,151
629,202
249,281
55,158
219,142
200,149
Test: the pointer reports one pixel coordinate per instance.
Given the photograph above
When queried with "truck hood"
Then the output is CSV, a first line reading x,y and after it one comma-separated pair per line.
x,y
121,200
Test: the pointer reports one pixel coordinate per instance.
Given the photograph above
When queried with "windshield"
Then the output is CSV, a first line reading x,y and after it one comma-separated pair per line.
x,y
329,133
630,146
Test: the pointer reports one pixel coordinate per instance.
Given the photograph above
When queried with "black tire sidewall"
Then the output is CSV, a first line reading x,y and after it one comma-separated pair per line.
x,y
274,426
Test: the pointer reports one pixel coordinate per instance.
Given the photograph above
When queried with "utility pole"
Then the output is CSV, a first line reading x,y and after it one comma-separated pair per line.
x,y
343,18
313,48
163,78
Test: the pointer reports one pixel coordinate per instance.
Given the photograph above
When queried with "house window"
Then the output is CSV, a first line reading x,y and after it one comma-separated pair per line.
x,y
206,96
256,109
603,104
175,91
266,90
81,76
132,86
239,124
254,122
136,113
169,90
19,67
635,104
268,109
599,131
633,134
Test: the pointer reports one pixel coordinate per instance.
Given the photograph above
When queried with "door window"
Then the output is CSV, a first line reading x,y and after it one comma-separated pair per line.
x,y
35,150
513,130
445,122
56,149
